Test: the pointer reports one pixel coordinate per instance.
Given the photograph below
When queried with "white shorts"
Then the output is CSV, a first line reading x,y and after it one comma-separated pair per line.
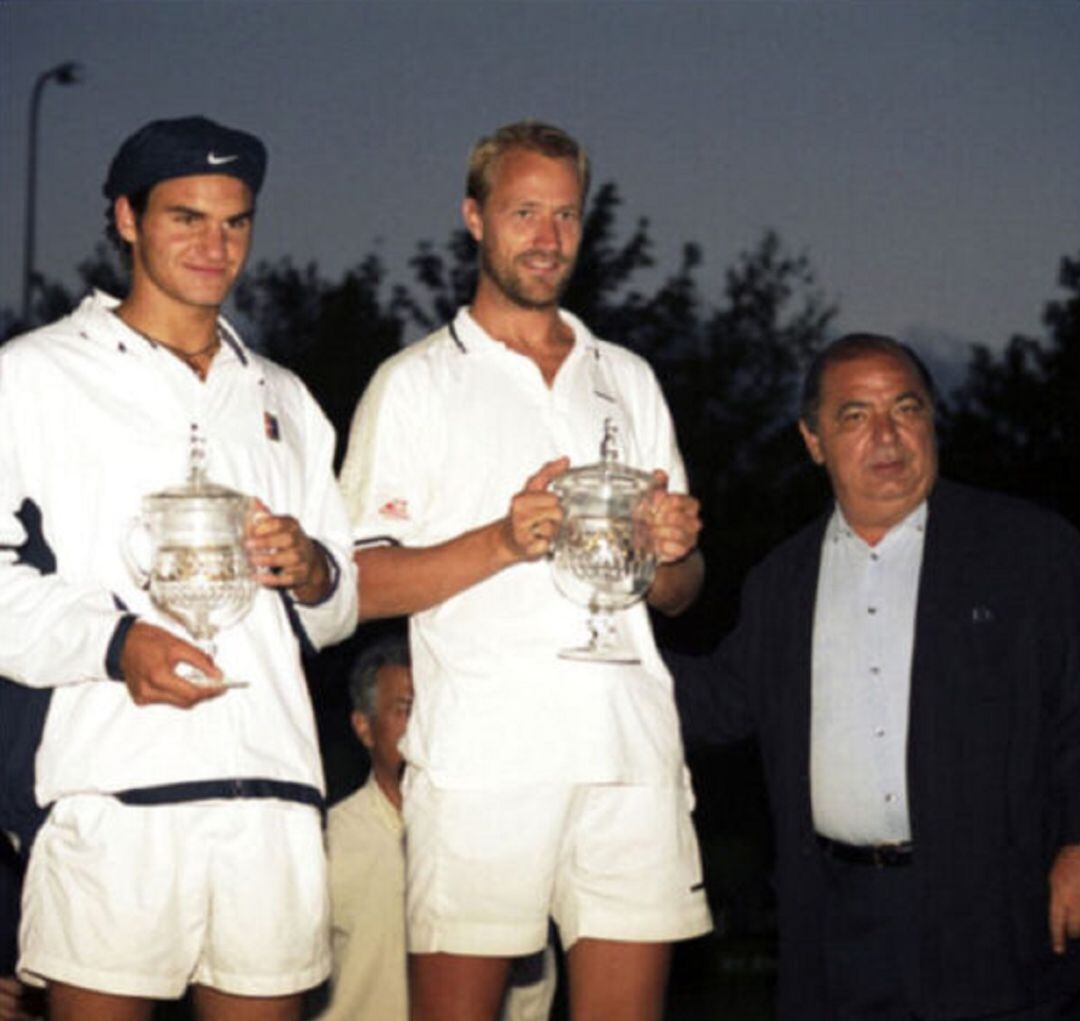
x,y
144,900
486,868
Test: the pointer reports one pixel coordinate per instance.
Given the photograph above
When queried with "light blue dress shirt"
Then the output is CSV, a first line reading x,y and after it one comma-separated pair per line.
x,y
864,631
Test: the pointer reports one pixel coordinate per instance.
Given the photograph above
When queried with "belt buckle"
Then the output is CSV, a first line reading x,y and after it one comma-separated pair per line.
x,y
880,855
885,855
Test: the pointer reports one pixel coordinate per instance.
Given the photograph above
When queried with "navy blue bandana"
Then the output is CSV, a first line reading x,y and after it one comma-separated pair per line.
x,y
179,148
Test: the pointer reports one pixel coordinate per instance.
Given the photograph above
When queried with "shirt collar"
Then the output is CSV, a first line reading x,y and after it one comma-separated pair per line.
x,y
838,529
387,810
473,338
102,306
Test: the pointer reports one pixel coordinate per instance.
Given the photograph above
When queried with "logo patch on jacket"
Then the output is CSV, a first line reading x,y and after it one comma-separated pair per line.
x,y
270,424
396,509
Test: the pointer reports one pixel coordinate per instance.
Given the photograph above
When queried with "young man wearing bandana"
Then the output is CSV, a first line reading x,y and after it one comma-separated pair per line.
x,y
183,842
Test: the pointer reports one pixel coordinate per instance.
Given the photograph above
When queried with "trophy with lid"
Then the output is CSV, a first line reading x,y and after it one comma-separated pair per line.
x,y
199,573
603,556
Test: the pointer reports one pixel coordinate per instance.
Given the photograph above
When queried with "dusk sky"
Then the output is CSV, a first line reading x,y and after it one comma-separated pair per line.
x,y
926,156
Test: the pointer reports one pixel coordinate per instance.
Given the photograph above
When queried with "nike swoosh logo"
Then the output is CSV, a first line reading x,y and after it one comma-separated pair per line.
x,y
216,161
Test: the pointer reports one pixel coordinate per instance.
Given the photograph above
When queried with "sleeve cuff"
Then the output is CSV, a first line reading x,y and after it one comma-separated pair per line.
x,y
335,578
375,540
116,646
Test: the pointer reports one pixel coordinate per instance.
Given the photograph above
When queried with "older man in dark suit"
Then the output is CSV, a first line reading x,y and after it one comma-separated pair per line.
x,y
910,664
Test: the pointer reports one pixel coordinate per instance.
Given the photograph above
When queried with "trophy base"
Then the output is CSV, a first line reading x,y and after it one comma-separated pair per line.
x,y
605,644
588,654
193,675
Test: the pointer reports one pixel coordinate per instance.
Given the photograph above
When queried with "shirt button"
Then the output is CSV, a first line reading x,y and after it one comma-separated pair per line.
x,y
890,798
871,610
875,556
879,732
875,670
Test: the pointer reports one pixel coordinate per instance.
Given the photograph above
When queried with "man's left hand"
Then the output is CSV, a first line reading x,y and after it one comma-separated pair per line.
x,y
283,556
17,1002
674,521
1065,897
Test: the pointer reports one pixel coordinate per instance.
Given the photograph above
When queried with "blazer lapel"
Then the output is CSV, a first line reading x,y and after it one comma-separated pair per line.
x,y
803,594
940,578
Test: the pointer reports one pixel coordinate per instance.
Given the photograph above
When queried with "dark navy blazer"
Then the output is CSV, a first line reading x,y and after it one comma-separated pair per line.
x,y
993,747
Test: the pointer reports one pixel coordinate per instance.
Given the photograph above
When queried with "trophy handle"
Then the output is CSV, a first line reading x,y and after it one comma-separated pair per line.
x,y
127,551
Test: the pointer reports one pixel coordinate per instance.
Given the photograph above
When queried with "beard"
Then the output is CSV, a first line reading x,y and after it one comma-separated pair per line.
x,y
534,295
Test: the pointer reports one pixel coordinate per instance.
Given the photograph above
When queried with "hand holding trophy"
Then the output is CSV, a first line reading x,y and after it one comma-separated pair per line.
x,y
603,555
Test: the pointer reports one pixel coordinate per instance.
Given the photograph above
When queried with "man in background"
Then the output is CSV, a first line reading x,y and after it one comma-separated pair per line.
x,y
364,849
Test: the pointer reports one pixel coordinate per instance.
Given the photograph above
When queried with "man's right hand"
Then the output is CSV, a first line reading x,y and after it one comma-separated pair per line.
x,y
535,514
148,663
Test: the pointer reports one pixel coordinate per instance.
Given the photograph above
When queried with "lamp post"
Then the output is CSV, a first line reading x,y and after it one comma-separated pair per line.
x,y
68,73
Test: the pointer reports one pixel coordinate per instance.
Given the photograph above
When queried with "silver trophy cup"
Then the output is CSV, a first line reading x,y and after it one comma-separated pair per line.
x,y
603,557
198,572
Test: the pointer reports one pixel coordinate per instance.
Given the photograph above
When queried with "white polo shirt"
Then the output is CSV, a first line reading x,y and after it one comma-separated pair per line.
x,y
447,432
93,416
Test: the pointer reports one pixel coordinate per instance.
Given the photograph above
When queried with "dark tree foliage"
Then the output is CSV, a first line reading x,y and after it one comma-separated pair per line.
x,y
598,291
448,280
10,324
1015,422
50,300
105,270
735,401
333,335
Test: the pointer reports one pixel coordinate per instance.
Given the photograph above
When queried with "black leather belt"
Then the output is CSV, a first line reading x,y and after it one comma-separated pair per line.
x,y
879,856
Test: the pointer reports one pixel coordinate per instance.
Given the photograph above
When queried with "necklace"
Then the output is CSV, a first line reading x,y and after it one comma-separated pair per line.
x,y
189,358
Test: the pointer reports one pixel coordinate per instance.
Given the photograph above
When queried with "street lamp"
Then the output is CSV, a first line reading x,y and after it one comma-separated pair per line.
x,y
68,73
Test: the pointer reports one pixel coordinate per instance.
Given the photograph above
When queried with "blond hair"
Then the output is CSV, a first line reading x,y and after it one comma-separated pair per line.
x,y
535,136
